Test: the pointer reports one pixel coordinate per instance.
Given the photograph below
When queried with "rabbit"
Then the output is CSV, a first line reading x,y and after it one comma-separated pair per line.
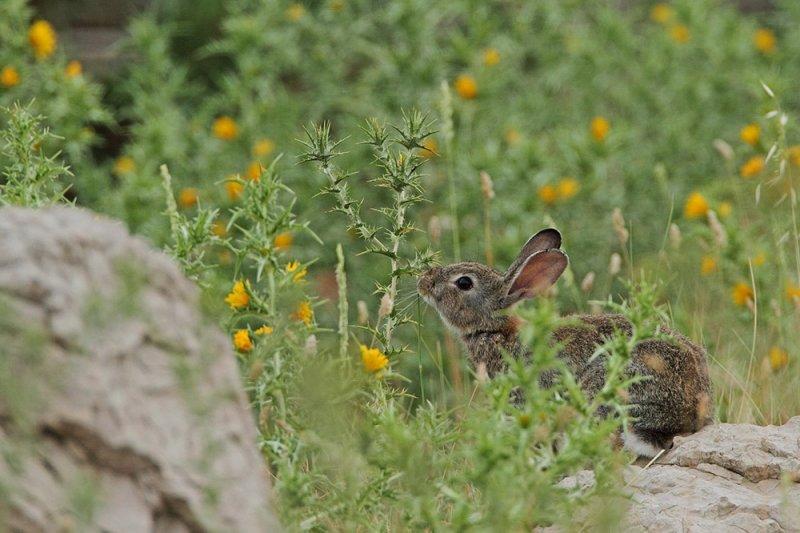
x,y
674,399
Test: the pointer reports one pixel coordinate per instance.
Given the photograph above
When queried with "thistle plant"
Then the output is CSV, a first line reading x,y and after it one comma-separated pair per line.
x,y
29,177
191,237
396,155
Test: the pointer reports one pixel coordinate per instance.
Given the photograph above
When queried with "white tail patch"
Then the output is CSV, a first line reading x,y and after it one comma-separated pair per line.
x,y
639,446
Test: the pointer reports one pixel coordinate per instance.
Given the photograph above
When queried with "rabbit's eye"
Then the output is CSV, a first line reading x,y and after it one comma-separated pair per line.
x,y
464,283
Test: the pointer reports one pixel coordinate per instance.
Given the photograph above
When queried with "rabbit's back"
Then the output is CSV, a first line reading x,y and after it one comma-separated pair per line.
x,y
674,398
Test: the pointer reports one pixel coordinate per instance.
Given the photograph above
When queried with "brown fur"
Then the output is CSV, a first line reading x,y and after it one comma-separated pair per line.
x,y
675,397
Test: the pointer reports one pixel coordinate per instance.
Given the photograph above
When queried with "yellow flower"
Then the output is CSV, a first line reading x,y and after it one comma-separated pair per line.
x,y
373,359
234,189
9,77
793,292
567,188
42,38
599,128
304,313
759,259
263,147
466,87
680,33
238,296
74,69
794,155
253,172
264,330
661,13
750,134
336,5
547,194
725,209
295,12
696,206
219,229
778,358
187,197
299,273
491,57
242,341
430,148
742,293
708,265
512,136
752,167
764,41
124,165
283,241
225,128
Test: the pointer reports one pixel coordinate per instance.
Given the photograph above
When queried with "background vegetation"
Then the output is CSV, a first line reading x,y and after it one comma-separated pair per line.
x,y
660,138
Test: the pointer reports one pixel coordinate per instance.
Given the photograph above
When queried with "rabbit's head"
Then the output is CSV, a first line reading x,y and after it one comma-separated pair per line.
x,y
468,295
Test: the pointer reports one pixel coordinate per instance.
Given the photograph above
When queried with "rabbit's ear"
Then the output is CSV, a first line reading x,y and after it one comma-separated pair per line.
x,y
537,274
544,240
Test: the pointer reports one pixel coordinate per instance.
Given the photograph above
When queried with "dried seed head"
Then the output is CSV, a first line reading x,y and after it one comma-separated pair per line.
x,y
310,347
435,229
588,282
720,235
614,264
675,236
363,312
386,306
487,187
618,221
256,369
724,149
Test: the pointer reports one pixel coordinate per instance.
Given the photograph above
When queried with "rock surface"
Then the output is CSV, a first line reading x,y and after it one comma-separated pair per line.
x,y
726,477
120,410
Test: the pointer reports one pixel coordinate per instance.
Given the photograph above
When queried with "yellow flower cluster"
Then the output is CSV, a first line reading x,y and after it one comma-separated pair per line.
x,y
750,134
372,359
188,197
263,147
778,358
696,206
225,128
264,330
742,294
752,167
662,13
430,148
295,12
283,241
124,165
9,77
304,313
253,172
565,189
238,297
42,38
234,189
708,265
299,273
466,87
73,69
765,41
680,33
491,57
242,340
599,128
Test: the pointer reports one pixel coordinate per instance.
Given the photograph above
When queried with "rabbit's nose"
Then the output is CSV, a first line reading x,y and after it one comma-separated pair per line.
x,y
425,283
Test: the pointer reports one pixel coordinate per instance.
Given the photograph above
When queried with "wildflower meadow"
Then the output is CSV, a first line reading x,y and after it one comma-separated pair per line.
x,y
305,162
